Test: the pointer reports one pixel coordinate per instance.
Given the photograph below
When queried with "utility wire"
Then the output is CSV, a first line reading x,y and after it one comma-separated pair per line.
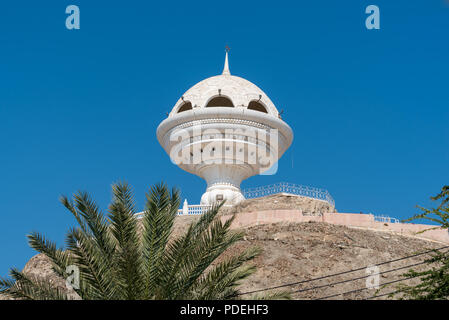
x,y
361,289
382,295
370,275
339,273
354,279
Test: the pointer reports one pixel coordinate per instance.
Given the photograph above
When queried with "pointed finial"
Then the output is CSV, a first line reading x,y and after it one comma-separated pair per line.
x,y
226,65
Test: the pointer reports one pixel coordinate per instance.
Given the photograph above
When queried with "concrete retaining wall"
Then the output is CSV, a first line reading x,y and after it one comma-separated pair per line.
x,y
365,221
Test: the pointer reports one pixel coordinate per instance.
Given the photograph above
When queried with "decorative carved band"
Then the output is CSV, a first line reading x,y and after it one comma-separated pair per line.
x,y
226,120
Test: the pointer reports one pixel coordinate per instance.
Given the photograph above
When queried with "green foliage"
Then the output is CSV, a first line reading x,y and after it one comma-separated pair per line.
x,y
121,257
434,282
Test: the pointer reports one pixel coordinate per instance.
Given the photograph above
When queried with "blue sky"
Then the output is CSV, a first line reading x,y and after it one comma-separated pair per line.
x,y
79,108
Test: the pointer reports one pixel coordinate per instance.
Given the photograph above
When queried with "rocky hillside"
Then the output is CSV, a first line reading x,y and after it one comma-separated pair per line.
x,y
303,251
294,252
298,252
308,206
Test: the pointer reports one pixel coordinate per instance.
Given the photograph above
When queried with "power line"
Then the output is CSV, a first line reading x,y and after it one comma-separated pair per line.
x,y
382,295
354,279
361,289
379,273
339,273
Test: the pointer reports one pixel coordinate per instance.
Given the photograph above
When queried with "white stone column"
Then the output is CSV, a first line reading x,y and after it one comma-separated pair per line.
x,y
185,208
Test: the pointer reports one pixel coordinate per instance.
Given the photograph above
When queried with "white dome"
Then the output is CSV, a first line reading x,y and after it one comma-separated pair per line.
x,y
239,91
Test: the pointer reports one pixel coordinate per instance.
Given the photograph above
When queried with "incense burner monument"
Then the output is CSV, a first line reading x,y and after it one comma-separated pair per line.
x,y
225,129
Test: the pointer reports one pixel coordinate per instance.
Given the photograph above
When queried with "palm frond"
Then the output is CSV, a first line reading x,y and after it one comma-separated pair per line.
x,y
66,202
161,210
205,249
27,287
177,254
119,258
96,270
127,258
226,274
60,258
98,226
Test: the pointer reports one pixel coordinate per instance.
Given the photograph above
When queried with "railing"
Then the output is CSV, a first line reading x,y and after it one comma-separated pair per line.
x,y
282,187
291,188
139,215
386,219
195,209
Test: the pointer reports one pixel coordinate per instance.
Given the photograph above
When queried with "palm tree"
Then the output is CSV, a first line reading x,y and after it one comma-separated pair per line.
x,y
120,256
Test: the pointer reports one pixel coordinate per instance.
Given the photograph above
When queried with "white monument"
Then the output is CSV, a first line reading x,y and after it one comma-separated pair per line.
x,y
225,129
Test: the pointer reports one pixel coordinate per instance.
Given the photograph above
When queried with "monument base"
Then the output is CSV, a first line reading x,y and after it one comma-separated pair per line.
x,y
222,192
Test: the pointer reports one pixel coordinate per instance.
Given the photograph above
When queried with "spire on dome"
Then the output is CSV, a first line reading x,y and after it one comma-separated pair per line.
x,y
226,65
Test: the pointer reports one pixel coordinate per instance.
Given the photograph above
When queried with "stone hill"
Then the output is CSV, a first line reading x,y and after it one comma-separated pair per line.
x,y
298,251
307,206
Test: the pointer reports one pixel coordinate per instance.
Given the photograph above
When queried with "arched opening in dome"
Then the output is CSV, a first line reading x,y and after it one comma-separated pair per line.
x,y
220,101
185,107
257,106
